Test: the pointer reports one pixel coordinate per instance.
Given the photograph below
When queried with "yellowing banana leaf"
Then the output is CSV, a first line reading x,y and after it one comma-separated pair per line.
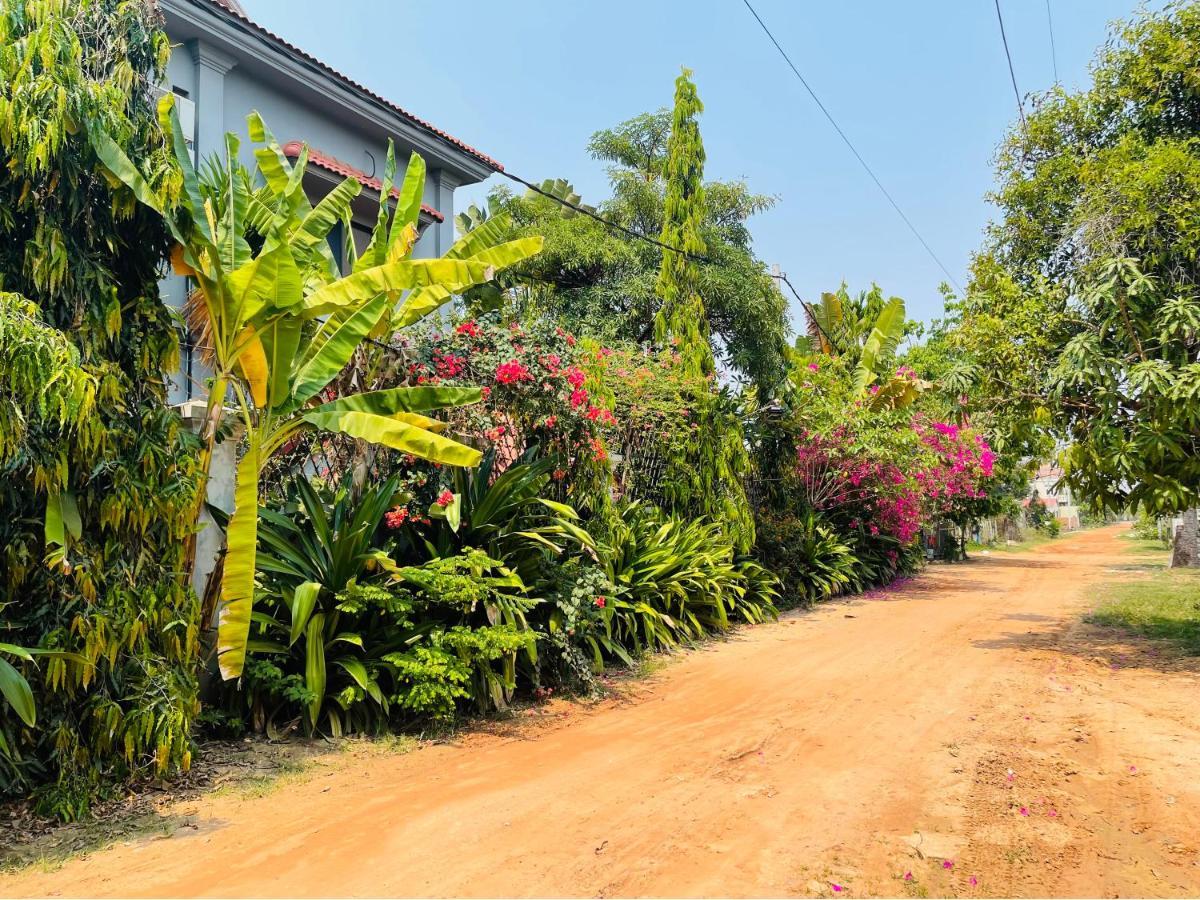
x,y
423,301
332,349
403,399
179,264
168,119
435,425
252,359
237,583
391,277
397,435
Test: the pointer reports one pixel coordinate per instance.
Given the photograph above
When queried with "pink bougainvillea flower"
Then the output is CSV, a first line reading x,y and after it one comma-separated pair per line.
x,y
974,881
813,367
1024,810
947,864
908,876
1133,770
837,888
445,498
575,377
1053,813
600,601
468,328
512,372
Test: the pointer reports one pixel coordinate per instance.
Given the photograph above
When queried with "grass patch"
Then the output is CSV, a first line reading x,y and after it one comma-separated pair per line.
x,y
1164,607
1032,540
1143,545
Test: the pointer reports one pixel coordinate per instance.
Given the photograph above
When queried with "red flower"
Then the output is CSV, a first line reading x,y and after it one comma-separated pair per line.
x,y
445,498
599,414
396,517
578,397
512,372
575,377
468,328
600,601
493,434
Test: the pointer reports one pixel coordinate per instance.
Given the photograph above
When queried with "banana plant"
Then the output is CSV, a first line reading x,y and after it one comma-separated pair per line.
x,y
284,321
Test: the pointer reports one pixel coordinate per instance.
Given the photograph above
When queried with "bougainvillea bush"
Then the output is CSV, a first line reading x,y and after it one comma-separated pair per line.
x,y
853,483
536,392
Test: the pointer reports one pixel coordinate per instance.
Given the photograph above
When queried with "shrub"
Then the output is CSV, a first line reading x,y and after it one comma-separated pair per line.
x,y
812,562
120,479
348,640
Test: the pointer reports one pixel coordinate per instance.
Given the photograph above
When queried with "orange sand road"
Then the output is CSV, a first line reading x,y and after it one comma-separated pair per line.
x,y
796,755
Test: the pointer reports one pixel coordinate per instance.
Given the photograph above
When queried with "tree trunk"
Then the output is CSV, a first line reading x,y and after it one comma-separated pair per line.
x,y
1186,552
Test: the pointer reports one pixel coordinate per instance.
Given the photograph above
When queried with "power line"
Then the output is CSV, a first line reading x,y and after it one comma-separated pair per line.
x,y
812,316
1012,74
591,214
1053,52
853,149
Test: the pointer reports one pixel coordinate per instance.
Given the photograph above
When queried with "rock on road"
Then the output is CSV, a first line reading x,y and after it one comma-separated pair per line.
x,y
965,729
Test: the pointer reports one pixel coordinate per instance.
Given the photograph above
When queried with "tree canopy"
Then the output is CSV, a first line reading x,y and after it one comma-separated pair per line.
x,y
602,283
1082,319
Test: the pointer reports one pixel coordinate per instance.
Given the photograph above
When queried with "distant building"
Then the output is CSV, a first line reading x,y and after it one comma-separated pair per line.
x,y
1056,497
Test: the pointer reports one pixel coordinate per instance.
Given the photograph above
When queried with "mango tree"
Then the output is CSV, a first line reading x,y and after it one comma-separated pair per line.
x,y
282,321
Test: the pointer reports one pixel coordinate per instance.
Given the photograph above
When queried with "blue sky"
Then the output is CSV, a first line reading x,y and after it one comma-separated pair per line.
x,y
921,88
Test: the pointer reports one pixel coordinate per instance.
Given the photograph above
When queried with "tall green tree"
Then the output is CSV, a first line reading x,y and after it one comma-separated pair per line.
x,y
1083,308
97,476
681,319
599,282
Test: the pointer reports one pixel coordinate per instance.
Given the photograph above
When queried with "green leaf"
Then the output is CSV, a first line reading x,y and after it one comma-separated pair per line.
x,y
393,277
168,118
304,600
403,399
18,693
314,665
333,208
408,206
398,435
237,583
332,349
280,340
268,284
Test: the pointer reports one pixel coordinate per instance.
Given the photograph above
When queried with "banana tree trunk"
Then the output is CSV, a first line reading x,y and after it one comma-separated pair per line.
x,y
208,439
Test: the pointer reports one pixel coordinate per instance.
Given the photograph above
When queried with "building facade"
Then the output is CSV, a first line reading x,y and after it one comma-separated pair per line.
x,y
223,65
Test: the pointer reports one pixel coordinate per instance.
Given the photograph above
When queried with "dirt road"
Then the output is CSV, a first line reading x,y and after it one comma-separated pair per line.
x,y
964,729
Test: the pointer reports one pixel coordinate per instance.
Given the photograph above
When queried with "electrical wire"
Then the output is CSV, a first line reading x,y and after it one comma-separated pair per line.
x,y
1011,72
591,214
1053,51
853,149
812,316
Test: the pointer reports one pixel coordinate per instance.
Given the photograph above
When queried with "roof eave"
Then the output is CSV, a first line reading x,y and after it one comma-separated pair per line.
x,y
248,42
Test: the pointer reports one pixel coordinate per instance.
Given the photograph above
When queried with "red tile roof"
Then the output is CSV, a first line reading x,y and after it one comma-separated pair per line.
x,y
292,149
232,8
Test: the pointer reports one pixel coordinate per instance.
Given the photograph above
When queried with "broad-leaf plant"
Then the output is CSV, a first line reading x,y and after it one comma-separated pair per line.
x,y
282,320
